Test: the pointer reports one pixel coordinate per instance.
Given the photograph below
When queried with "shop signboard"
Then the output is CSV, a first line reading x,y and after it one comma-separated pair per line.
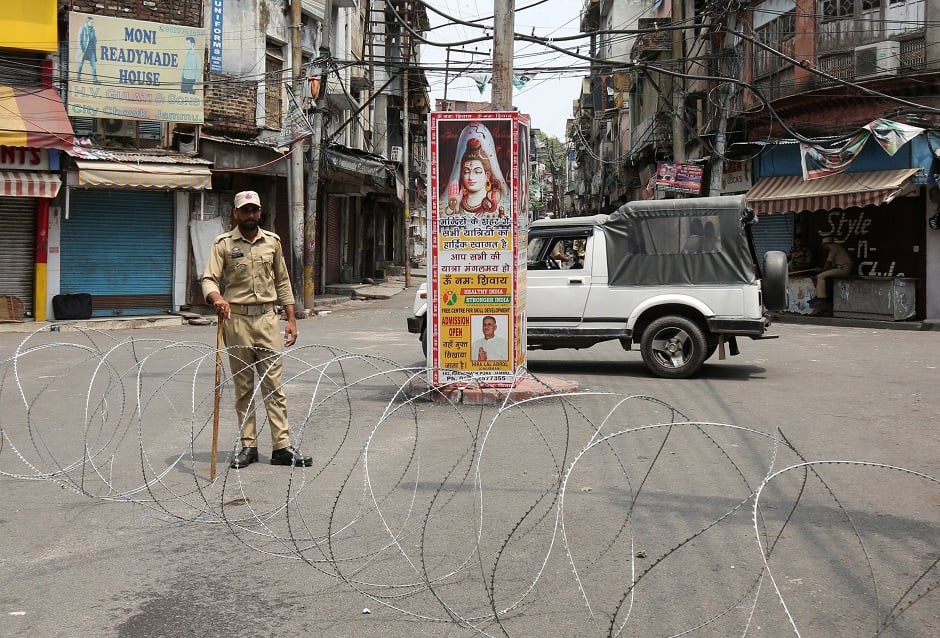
x,y
736,178
122,69
679,178
24,158
477,231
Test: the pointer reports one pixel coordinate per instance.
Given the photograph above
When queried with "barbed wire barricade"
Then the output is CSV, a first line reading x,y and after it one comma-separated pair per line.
x,y
492,518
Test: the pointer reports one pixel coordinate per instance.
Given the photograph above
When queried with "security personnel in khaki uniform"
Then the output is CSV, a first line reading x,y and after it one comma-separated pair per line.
x,y
250,262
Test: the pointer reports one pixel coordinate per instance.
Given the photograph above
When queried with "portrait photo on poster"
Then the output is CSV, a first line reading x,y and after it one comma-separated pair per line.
x,y
471,160
489,338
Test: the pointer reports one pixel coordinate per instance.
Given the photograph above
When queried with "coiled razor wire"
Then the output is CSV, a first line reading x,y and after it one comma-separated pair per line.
x,y
490,518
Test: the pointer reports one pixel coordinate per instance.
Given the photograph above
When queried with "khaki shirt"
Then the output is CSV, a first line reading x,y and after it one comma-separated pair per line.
x,y
839,257
251,272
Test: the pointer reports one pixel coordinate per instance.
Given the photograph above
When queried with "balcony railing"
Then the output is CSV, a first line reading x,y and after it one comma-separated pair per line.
x,y
653,134
913,55
650,46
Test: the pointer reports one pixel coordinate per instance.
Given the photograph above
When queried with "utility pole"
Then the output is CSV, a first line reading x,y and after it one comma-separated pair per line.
x,y
296,166
724,103
678,86
556,203
406,151
313,178
503,27
446,78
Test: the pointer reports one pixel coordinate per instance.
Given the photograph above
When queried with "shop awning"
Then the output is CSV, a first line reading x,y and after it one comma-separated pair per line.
x,y
28,184
368,172
34,117
100,174
791,193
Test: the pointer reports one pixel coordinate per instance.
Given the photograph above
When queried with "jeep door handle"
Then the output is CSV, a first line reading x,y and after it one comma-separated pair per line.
x,y
575,281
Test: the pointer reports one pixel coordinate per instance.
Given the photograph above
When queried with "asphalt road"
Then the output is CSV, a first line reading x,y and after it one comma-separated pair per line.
x,y
791,490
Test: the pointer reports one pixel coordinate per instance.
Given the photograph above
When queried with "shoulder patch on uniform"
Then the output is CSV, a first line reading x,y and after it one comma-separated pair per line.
x,y
271,234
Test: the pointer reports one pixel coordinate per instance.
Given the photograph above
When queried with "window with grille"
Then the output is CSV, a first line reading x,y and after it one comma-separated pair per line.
x,y
273,90
837,8
777,35
832,9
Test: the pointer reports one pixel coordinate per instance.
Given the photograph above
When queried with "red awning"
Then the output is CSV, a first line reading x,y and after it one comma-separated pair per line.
x,y
791,193
34,117
29,184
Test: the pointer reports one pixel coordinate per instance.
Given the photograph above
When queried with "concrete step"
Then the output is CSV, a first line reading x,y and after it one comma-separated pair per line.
x,y
335,295
95,323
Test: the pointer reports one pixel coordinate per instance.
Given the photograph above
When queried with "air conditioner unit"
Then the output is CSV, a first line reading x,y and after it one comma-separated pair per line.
x,y
117,128
395,154
83,126
877,59
151,130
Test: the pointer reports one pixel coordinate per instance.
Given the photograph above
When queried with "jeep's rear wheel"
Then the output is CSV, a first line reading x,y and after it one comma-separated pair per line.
x,y
424,339
673,347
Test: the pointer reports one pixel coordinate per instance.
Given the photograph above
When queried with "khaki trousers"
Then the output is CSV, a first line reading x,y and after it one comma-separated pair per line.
x,y
254,344
835,271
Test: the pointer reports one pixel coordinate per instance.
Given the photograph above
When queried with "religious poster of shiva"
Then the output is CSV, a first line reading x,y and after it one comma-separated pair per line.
x,y
473,162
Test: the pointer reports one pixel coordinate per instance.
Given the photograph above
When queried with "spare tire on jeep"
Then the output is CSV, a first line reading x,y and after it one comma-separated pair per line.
x,y
774,282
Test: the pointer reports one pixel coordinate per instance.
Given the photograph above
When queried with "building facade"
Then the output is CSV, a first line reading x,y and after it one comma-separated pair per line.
x,y
851,73
35,132
156,114
806,77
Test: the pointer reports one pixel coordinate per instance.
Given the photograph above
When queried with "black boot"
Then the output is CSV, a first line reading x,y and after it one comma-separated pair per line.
x,y
290,456
246,456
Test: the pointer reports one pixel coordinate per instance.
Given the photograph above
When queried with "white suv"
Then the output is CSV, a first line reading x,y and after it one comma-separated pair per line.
x,y
677,277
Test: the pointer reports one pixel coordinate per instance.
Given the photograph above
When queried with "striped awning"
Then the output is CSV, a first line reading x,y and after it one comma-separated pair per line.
x,y
34,117
100,174
791,193
29,184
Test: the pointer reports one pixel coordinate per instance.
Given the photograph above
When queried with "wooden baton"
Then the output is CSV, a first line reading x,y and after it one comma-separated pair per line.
x,y
218,398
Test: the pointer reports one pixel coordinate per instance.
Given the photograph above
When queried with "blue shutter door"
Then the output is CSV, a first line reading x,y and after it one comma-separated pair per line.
x,y
118,247
773,232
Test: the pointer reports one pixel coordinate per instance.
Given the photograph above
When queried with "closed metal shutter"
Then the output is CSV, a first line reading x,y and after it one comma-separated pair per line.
x,y
18,257
773,232
118,247
333,239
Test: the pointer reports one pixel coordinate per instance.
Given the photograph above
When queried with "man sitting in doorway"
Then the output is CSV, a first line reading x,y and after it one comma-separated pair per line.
x,y
800,256
838,264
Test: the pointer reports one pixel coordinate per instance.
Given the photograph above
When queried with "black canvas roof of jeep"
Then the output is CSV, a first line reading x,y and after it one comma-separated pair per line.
x,y
695,241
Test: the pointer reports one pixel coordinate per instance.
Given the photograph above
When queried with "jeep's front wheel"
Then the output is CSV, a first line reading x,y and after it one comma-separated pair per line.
x,y
424,339
673,347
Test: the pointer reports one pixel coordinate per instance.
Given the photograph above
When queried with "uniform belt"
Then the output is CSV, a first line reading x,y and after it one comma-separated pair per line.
x,y
251,310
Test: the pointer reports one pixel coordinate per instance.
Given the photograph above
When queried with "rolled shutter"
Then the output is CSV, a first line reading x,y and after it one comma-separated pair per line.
x,y
118,246
18,257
